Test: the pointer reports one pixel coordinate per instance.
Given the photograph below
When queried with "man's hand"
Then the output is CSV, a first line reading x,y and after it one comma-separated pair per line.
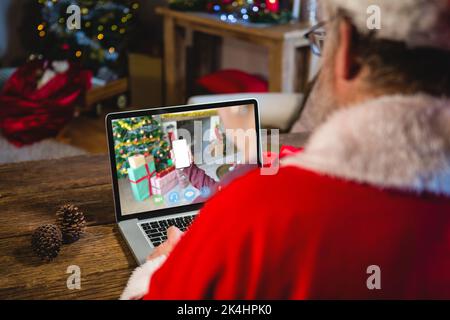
x,y
173,237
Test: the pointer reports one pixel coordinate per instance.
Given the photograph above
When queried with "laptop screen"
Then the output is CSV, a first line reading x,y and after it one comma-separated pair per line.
x,y
174,159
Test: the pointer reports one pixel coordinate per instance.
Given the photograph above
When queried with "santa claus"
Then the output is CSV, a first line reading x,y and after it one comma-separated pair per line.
x,y
364,210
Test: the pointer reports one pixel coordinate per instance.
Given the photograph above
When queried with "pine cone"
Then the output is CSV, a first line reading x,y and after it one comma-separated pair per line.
x,y
71,221
46,241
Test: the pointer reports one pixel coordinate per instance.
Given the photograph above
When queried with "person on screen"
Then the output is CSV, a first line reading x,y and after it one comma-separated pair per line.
x,y
363,212
233,119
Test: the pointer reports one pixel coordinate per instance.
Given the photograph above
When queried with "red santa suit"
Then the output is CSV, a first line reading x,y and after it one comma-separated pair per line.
x,y
371,191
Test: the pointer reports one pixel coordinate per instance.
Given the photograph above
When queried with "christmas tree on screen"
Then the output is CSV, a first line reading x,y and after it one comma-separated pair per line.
x,y
140,135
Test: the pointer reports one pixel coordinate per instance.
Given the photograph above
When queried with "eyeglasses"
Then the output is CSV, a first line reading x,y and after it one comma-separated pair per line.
x,y
316,37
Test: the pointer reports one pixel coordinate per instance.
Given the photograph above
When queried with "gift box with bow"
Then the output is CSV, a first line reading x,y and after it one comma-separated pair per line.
x,y
141,170
164,181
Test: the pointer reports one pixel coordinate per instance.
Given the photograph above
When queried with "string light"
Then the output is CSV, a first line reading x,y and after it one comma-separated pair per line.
x,y
268,11
56,18
97,45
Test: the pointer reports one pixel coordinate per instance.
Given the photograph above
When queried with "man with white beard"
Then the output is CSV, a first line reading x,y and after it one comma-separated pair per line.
x,y
364,210
388,63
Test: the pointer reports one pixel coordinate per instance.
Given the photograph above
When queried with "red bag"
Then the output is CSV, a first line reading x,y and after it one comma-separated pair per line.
x,y
29,114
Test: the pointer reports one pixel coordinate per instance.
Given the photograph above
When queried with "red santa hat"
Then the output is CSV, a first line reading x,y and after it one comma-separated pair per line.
x,y
418,23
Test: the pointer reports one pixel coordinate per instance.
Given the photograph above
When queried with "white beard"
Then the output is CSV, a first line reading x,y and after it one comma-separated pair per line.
x,y
391,142
320,105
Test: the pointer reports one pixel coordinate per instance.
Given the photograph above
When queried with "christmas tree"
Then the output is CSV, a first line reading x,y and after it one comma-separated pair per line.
x,y
140,136
98,42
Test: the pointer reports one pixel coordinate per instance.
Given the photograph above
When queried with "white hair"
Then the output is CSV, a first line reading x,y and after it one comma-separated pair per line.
x,y
417,23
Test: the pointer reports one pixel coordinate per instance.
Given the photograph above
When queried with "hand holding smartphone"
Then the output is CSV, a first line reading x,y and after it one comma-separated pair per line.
x,y
181,153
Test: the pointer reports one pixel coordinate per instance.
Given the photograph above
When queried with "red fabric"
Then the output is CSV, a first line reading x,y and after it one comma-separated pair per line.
x,y
28,114
232,81
288,150
300,235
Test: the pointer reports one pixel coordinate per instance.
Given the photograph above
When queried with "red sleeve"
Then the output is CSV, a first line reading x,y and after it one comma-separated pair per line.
x,y
232,248
288,151
299,235
198,177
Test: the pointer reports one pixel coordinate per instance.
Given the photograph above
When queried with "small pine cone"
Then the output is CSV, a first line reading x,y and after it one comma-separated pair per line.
x,y
46,241
71,221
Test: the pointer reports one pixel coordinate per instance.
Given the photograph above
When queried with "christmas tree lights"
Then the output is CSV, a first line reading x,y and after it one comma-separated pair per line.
x,y
99,42
140,136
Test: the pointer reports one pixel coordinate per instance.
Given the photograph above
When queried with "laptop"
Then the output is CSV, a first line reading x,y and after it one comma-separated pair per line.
x,y
167,162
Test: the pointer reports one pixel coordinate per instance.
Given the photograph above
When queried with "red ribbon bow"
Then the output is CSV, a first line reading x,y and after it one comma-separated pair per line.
x,y
148,177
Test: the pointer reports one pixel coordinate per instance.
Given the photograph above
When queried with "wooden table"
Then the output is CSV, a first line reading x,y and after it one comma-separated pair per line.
x,y
282,42
29,194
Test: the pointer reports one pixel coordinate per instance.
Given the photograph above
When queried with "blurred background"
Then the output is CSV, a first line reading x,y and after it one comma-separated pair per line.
x,y
59,79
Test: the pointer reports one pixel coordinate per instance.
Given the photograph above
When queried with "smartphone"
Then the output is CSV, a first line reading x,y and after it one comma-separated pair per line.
x,y
181,153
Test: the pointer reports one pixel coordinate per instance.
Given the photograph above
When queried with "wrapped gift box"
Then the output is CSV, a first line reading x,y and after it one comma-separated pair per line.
x,y
164,181
165,171
140,180
139,160
136,161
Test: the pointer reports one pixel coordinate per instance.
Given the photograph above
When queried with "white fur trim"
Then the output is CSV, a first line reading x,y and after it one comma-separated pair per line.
x,y
139,282
400,142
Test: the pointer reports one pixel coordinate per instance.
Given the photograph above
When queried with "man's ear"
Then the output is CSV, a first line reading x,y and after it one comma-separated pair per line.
x,y
346,68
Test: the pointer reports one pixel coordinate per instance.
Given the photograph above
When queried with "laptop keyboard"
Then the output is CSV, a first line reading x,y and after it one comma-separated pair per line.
x,y
157,231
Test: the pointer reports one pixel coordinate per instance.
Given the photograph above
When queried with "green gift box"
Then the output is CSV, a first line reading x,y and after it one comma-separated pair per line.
x,y
140,180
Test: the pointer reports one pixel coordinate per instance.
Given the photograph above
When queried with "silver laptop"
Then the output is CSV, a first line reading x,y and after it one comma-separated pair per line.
x,y
166,162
